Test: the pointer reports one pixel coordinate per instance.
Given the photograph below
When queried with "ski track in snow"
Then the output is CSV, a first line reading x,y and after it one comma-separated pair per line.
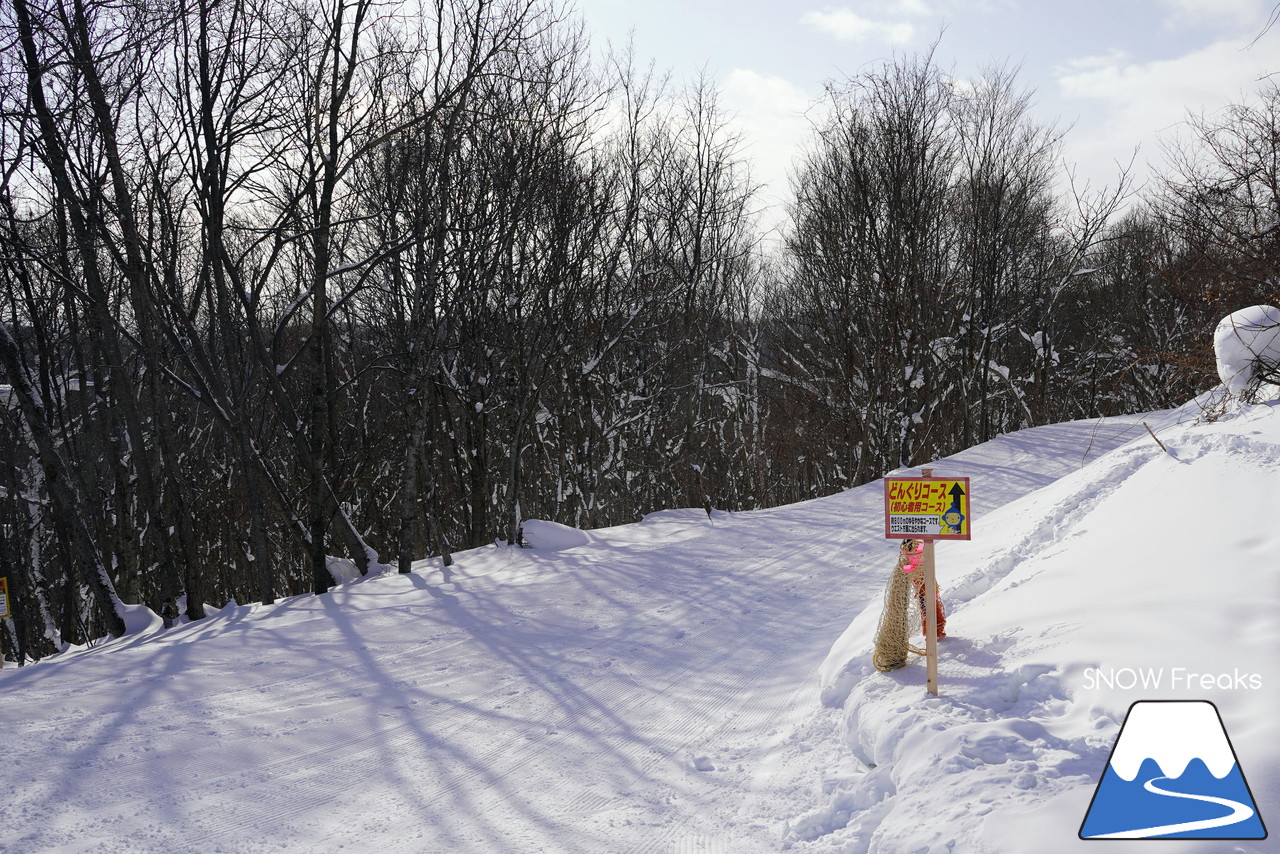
x,y
651,691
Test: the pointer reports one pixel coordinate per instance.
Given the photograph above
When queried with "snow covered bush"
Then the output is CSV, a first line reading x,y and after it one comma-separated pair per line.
x,y
1247,346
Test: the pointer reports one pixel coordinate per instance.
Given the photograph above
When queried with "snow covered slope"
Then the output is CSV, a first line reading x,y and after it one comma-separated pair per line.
x,y
1146,575
651,687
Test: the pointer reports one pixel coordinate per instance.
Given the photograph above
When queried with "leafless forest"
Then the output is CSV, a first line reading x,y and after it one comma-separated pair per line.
x,y
290,282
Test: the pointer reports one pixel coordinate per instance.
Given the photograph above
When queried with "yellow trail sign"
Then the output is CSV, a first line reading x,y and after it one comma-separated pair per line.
x,y
935,508
927,508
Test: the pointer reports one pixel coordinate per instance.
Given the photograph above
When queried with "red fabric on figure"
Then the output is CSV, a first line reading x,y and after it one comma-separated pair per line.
x,y
918,582
910,553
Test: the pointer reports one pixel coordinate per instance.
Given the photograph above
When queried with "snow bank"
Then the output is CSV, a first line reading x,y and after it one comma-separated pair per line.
x,y
341,569
552,536
140,620
1139,577
1242,340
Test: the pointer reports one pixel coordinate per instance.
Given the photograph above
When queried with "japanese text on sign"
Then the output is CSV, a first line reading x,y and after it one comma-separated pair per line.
x,y
932,507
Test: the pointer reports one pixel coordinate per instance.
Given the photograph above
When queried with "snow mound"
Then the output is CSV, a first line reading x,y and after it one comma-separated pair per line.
x,y
552,536
1244,340
140,620
342,570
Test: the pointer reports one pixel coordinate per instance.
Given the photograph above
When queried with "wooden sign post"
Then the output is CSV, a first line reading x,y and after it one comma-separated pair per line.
x,y
930,614
4,605
927,508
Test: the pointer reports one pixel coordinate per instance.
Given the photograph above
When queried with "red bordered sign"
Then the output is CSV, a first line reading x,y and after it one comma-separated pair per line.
x,y
934,508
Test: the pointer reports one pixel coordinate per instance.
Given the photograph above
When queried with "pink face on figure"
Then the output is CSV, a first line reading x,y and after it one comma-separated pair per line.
x,y
914,550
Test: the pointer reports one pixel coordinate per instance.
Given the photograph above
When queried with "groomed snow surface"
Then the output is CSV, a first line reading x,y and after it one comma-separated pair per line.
x,y
693,684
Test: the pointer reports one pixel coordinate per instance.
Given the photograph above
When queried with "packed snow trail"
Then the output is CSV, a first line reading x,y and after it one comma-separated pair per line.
x,y
648,688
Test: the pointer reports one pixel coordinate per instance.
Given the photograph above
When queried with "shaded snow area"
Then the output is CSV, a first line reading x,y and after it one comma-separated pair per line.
x,y
692,684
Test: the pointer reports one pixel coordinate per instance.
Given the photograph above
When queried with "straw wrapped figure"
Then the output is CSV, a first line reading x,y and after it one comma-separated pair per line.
x,y
894,632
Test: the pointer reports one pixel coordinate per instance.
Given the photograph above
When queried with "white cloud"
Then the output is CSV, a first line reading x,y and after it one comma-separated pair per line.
x,y
1160,91
1130,104
770,110
910,7
1082,65
774,93
847,25
1228,13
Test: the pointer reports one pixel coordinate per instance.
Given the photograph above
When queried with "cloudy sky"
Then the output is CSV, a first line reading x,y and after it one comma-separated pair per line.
x,y
1122,74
